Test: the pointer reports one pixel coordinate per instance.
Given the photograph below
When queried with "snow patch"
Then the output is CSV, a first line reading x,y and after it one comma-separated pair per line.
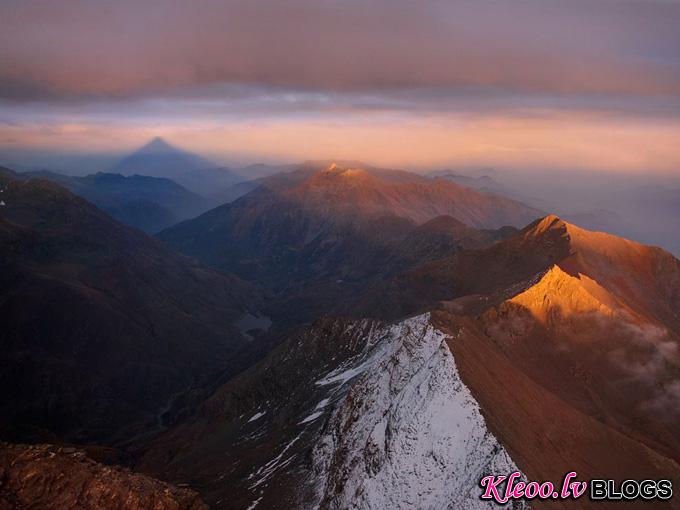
x,y
267,471
342,375
323,403
257,416
254,503
311,417
318,411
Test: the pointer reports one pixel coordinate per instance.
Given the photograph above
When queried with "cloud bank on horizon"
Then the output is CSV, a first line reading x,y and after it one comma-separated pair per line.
x,y
589,83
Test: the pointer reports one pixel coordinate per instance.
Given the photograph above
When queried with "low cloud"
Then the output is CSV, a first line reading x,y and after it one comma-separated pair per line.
x,y
651,357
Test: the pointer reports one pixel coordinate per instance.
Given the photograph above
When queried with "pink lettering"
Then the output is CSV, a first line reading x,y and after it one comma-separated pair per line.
x,y
491,483
566,484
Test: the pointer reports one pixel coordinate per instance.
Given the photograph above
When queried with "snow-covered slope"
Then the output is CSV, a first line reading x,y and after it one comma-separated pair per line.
x,y
349,414
408,433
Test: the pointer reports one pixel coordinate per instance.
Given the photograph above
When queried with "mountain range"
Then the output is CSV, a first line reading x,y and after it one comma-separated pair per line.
x,y
484,183
563,357
339,336
318,235
148,203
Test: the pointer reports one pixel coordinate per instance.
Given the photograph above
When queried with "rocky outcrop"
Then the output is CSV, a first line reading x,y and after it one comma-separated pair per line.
x,y
43,477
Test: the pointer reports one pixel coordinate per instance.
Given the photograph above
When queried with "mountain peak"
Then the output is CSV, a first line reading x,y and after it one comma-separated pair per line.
x,y
549,222
549,227
331,169
158,146
335,170
568,294
579,239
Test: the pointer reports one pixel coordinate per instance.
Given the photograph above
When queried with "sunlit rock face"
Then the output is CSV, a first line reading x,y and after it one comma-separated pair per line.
x,y
589,347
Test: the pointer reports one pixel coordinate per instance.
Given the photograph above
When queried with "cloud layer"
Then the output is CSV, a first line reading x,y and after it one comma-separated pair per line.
x,y
82,48
83,62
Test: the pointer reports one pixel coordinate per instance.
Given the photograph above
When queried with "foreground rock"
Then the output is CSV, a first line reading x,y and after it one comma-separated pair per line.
x,y
46,476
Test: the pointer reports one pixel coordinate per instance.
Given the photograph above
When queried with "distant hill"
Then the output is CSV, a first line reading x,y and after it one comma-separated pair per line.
x,y
234,192
148,203
261,171
160,159
484,182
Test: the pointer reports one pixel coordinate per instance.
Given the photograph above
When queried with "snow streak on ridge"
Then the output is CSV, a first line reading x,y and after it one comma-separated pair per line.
x,y
408,433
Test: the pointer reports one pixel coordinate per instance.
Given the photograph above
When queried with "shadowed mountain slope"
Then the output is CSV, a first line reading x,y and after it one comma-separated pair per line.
x,y
101,324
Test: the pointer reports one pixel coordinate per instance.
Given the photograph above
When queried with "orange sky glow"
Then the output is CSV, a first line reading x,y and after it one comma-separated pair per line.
x,y
587,84
560,141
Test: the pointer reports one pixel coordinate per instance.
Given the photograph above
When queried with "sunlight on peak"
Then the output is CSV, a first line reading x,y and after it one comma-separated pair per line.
x,y
570,295
343,171
353,172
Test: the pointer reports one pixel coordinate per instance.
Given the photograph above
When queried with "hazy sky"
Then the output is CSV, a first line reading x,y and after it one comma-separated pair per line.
x,y
527,84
